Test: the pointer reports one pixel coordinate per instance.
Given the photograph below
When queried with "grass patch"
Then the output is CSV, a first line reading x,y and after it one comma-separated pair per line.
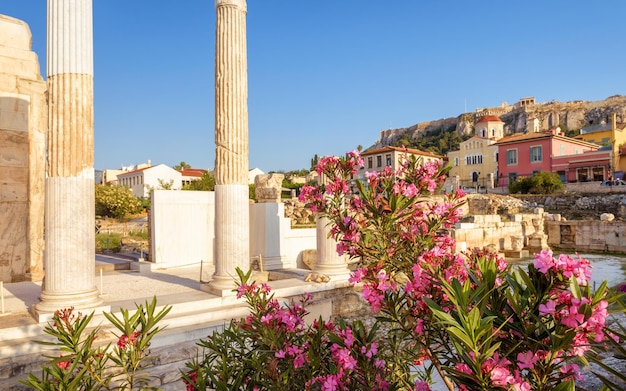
x,y
138,235
108,242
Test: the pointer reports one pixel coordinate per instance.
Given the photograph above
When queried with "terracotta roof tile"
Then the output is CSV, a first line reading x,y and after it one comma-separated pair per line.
x,y
489,118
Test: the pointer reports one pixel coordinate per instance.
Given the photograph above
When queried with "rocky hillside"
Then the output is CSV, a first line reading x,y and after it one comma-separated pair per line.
x,y
568,115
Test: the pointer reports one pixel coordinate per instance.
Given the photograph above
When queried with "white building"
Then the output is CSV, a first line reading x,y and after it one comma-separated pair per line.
x,y
253,173
378,159
143,180
191,174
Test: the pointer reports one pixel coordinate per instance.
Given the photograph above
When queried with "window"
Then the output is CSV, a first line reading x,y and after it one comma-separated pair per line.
x,y
597,173
456,161
388,159
535,154
370,162
379,161
512,177
582,174
495,157
511,156
562,176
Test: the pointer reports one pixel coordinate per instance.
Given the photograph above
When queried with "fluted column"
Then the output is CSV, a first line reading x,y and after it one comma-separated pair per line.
x,y
328,262
69,257
232,238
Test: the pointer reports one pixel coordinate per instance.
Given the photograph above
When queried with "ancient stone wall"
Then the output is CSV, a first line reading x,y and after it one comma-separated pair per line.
x,y
23,124
587,236
580,206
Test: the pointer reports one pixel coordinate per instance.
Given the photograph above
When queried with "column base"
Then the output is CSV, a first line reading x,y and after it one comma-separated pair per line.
x,y
336,272
85,302
220,286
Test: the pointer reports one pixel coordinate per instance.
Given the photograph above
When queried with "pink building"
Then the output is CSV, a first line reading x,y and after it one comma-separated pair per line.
x,y
522,155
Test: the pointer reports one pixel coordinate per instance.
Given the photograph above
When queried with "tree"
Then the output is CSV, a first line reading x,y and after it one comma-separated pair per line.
x,y
181,166
116,201
314,162
205,183
165,185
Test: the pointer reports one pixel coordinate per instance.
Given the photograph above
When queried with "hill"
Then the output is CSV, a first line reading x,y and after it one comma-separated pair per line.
x,y
443,135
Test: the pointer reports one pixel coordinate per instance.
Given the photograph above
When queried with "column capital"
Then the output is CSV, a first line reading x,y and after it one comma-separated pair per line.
x,y
237,3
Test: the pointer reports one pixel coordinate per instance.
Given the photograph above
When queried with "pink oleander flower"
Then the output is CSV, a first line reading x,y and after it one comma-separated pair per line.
x,y
520,386
421,386
347,336
64,364
357,275
547,309
330,383
193,376
571,317
526,360
343,357
572,371
371,351
462,367
501,376
373,296
125,341
544,261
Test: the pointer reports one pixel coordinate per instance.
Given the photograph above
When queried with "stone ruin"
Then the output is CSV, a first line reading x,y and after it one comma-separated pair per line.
x,y
268,187
23,124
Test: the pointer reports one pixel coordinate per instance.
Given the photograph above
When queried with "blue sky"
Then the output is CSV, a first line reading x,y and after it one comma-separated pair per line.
x,y
326,76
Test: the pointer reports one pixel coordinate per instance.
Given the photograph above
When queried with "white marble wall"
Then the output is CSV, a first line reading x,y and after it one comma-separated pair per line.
x,y
183,232
182,227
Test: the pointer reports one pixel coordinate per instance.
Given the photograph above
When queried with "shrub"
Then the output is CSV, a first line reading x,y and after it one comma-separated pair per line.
x,y
540,183
82,365
468,316
481,325
273,349
108,242
116,201
205,183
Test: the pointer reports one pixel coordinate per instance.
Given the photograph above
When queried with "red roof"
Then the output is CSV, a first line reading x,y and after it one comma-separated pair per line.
x,y
519,137
489,118
196,172
398,149
134,171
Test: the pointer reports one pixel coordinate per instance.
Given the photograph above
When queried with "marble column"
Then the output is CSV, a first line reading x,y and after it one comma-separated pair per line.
x,y
232,216
328,261
69,257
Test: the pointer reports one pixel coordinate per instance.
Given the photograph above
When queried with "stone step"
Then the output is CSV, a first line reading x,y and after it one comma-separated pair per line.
x,y
106,264
174,345
194,316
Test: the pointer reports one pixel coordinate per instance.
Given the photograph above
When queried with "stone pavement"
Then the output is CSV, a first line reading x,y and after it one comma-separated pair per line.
x,y
119,286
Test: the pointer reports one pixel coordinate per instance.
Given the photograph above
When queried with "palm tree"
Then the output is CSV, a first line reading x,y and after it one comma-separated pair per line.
x,y
181,166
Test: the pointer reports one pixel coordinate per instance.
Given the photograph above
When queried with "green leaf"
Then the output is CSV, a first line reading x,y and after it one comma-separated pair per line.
x,y
565,386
